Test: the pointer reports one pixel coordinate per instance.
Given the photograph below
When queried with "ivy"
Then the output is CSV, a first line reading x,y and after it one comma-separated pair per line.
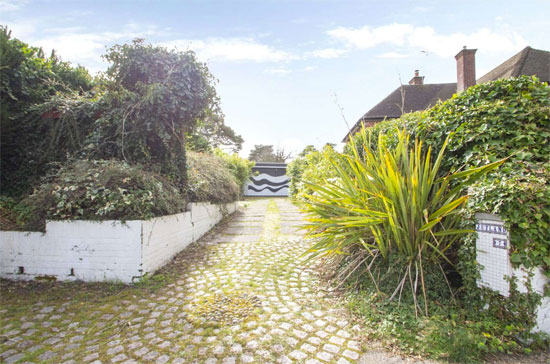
x,y
501,119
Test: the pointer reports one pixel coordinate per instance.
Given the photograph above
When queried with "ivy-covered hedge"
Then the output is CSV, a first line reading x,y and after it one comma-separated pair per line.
x,y
114,190
100,190
500,119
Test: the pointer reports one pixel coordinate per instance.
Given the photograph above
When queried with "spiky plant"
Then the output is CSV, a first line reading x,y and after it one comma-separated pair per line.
x,y
391,201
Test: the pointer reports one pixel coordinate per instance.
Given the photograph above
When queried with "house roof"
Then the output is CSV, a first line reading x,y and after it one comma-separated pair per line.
x,y
528,62
416,97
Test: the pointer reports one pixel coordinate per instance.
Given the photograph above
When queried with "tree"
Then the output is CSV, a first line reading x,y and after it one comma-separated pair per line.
x,y
281,156
27,80
265,153
262,153
308,149
154,97
212,133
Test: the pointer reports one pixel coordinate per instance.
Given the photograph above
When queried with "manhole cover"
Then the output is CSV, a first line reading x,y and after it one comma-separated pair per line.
x,y
227,308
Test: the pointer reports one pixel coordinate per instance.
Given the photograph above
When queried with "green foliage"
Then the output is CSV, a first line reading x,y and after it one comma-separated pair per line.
x,y
454,332
210,180
100,190
240,168
153,97
211,133
504,118
28,79
310,166
266,153
529,225
391,202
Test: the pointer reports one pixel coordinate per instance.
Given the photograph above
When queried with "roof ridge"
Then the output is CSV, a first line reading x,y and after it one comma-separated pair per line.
x,y
519,65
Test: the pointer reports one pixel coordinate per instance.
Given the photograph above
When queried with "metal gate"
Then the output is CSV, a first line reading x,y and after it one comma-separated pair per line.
x,y
268,179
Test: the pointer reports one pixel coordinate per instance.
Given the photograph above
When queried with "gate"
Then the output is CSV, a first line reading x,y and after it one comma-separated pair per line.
x,y
268,179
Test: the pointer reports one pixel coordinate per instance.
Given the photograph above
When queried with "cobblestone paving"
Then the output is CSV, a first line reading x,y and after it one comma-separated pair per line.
x,y
241,295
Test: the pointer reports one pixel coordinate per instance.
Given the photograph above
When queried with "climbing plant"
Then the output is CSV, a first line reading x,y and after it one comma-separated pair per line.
x,y
500,119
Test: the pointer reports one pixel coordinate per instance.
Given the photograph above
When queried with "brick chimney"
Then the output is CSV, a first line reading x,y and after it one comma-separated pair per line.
x,y
465,69
416,80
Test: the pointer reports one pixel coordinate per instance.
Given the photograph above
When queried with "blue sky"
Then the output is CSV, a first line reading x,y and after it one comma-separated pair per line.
x,y
282,65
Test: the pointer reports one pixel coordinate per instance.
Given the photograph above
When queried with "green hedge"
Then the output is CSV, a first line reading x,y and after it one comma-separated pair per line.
x,y
100,190
504,118
210,179
114,190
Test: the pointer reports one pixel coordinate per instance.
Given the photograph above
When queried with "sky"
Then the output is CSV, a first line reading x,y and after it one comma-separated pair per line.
x,y
293,72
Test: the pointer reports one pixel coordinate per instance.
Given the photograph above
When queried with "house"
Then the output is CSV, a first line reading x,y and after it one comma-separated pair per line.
x,y
418,96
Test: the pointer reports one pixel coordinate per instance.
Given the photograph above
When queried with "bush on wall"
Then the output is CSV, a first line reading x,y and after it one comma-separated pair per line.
x,y
210,179
100,190
240,168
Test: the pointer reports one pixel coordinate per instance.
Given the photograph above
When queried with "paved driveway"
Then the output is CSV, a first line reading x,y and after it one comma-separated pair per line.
x,y
240,295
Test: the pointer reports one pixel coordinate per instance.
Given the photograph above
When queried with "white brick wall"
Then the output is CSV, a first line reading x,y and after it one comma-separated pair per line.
x,y
104,251
492,246
166,236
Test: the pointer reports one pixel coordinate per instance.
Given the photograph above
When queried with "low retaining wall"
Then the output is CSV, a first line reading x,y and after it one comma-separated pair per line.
x,y
492,246
104,250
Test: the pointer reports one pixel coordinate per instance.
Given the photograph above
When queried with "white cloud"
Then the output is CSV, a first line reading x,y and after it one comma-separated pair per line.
x,y
427,39
392,55
278,71
327,53
76,45
309,68
11,5
232,49
368,37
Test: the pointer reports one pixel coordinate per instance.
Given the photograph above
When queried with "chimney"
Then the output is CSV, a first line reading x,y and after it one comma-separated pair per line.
x,y
416,80
465,69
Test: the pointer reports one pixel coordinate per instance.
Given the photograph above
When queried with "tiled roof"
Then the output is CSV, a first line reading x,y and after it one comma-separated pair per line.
x,y
416,97
528,62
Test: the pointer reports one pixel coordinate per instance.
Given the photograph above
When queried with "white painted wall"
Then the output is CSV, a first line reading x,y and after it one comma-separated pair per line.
x,y
106,250
166,236
493,255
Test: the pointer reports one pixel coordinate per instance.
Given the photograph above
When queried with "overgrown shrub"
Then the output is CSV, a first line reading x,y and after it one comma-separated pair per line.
x,y
311,166
100,190
210,179
27,79
240,168
499,119
392,204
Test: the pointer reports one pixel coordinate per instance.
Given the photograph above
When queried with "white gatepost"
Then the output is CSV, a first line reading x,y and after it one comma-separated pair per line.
x,y
493,255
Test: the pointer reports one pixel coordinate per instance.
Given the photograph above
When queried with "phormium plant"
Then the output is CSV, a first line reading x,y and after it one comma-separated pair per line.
x,y
391,202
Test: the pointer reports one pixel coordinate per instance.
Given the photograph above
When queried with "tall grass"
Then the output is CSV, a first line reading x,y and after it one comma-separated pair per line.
x,y
391,201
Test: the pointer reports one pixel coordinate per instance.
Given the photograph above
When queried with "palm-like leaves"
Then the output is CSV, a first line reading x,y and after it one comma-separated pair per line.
x,y
391,201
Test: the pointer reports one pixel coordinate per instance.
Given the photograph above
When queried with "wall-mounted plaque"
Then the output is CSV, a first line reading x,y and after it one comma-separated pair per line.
x,y
491,228
500,243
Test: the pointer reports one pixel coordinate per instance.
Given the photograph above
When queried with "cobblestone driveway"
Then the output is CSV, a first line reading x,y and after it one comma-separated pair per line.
x,y
241,295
